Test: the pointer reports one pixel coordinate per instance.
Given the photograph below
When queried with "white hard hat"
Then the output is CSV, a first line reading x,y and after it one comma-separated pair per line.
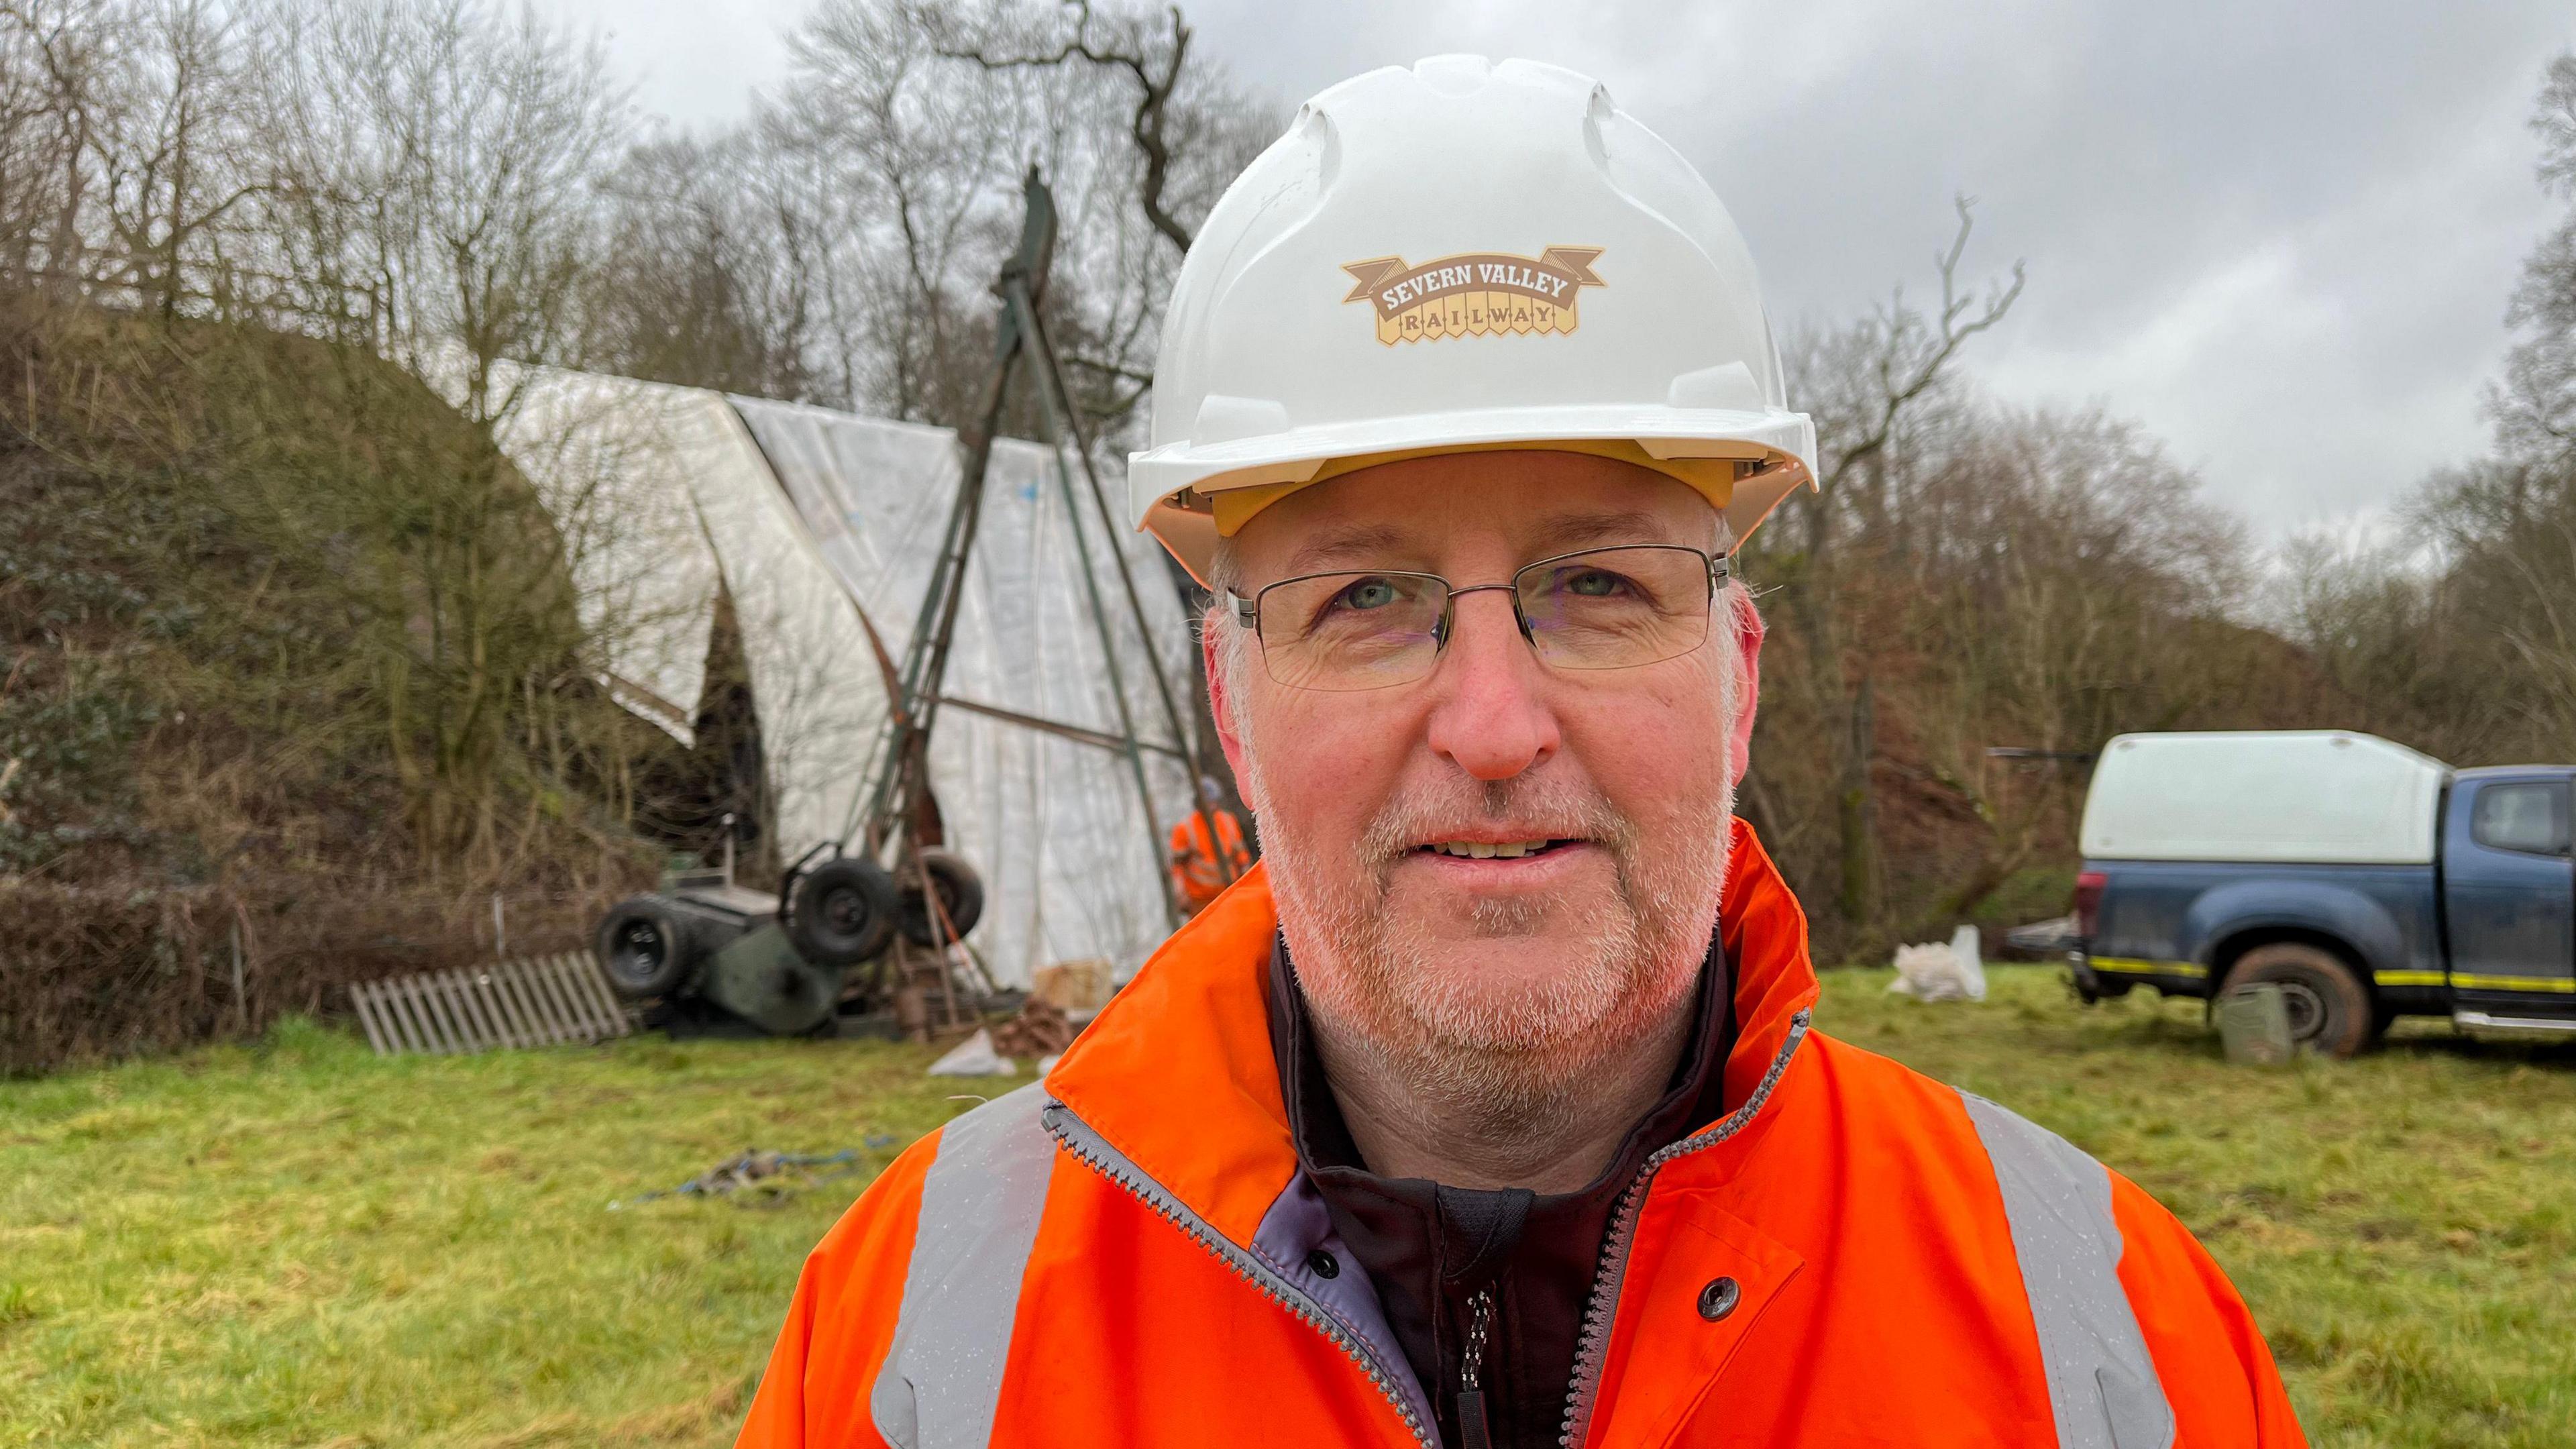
x,y
1461,255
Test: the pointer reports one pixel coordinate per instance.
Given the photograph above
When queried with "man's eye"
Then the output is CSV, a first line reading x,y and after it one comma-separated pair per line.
x,y
1594,584
1366,594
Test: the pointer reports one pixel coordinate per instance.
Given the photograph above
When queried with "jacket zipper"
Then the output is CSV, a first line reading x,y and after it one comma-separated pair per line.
x,y
1077,1137
1473,1431
1601,1308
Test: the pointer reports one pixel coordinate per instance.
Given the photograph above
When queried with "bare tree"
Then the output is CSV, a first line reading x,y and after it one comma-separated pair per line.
x,y
171,146
1866,384
1125,44
705,278
447,158
2535,408
915,122
53,62
2489,663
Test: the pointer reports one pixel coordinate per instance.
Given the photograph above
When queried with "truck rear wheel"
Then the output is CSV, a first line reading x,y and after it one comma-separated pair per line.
x,y
2330,1010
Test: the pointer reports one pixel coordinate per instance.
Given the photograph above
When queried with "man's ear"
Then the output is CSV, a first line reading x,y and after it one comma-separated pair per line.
x,y
1746,639
1221,704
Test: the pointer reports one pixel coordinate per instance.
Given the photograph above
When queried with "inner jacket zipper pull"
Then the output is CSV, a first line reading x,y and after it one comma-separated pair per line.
x,y
1472,1430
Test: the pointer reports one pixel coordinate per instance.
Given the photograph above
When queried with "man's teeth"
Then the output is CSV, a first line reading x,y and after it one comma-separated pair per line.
x,y
1490,849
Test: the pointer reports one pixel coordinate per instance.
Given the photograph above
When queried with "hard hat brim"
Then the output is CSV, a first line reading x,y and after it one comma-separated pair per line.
x,y
1169,487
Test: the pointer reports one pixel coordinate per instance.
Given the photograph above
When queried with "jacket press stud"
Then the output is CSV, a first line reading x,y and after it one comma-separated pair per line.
x,y
1719,1298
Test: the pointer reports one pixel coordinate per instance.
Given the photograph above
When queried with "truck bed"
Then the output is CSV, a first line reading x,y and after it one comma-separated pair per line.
x,y
2165,922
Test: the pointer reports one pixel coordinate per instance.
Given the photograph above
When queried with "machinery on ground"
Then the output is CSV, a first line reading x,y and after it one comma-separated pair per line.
x,y
704,939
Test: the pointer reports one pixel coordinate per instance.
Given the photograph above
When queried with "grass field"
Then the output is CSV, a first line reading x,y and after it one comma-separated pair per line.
x,y
300,1244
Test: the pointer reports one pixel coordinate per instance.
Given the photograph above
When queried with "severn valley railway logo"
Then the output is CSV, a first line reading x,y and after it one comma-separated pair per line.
x,y
1474,294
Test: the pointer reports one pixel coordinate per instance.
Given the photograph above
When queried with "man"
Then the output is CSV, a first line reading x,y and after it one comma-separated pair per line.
x,y
1206,858
1488,1111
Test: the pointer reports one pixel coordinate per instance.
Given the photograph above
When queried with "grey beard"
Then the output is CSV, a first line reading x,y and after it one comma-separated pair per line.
x,y
1505,1069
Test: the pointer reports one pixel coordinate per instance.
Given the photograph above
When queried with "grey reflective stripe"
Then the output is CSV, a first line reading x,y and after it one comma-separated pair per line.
x,y
980,1205
2102,1386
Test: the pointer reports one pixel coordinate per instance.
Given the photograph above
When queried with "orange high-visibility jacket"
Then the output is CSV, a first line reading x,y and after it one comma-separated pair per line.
x,y
1118,1256
1196,869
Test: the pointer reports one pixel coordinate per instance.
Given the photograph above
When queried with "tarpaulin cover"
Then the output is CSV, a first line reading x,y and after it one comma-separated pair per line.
x,y
612,459
814,519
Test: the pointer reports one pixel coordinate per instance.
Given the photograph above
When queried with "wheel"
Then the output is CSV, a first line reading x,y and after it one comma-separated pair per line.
x,y
843,911
645,948
961,897
2330,1010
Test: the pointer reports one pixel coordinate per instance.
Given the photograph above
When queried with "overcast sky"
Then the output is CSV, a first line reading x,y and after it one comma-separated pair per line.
x,y
2279,234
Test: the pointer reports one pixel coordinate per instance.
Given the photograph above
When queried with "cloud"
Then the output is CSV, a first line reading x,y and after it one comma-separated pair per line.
x,y
2279,234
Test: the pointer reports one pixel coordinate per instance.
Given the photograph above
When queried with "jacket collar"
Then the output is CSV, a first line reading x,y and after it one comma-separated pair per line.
x,y
1177,1072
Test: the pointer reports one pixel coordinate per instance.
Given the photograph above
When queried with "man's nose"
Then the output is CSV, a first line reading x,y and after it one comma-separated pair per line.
x,y
1489,715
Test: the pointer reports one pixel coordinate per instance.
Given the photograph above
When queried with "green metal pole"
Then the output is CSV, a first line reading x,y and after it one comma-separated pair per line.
x,y
1017,291
1185,736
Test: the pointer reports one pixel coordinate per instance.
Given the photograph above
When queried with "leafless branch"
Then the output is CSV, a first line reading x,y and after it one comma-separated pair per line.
x,y
1109,369
1156,77
1905,374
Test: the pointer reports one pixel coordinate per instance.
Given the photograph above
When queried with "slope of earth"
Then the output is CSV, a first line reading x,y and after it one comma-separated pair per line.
x,y
294,688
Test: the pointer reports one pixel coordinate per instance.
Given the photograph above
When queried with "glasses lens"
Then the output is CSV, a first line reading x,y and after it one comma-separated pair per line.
x,y
1612,608
1352,631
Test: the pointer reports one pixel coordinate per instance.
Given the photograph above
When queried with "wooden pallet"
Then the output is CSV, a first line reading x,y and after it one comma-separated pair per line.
x,y
538,1001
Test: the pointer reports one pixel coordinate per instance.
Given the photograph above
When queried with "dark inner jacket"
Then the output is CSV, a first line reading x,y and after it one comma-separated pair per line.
x,y
1429,1248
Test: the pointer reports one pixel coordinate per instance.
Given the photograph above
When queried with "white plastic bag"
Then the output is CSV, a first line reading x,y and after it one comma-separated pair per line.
x,y
1932,971
974,1057
1972,965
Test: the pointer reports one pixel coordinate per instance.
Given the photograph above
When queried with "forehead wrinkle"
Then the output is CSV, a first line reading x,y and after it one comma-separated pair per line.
x,y
1581,530
1344,543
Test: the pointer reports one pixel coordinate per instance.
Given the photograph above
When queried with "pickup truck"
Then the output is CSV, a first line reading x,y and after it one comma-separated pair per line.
x,y
2365,880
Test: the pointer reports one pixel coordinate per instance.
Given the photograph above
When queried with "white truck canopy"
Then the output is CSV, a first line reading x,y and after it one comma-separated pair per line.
x,y
2321,796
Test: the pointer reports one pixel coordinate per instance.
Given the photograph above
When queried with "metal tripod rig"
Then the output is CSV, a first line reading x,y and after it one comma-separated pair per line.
x,y
892,803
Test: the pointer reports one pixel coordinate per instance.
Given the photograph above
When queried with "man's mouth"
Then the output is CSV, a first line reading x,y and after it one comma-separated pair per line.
x,y
1493,849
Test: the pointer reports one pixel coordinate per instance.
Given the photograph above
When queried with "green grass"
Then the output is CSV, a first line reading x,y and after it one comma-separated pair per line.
x,y
300,1244
305,1245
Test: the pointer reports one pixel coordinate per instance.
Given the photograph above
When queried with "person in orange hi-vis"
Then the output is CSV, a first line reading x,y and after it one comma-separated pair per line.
x,y
1494,1106
1205,862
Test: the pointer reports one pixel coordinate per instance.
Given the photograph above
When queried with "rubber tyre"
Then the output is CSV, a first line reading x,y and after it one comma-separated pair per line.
x,y
2330,1010
645,947
843,912
961,894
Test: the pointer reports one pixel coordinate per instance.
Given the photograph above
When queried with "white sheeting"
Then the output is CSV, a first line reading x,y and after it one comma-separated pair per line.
x,y
612,459
662,497
1053,824
811,516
